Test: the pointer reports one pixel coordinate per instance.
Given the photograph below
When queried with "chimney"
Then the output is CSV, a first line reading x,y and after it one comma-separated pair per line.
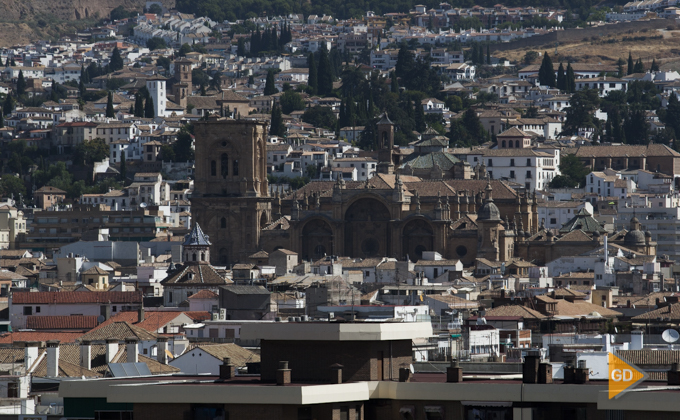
x,y
227,370
162,350
582,374
111,349
454,373
30,354
530,367
141,314
637,341
674,374
336,373
404,374
132,350
545,375
86,354
53,358
283,374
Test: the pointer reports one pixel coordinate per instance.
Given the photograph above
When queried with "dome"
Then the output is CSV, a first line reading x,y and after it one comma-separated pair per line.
x,y
648,234
549,234
489,211
634,237
634,220
596,234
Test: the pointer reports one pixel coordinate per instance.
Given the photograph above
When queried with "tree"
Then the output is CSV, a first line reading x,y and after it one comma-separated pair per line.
x,y
639,67
8,105
277,128
673,113
467,130
270,87
582,105
630,63
420,118
546,73
320,116
530,57
573,173
120,13
241,50
291,101
184,49
405,62
561,78
394,85
139,105
156,43
313,80
149,109
488,55
110,113
155,9
91,151
11,185
571,79
325,75
116,62
216,81
21,83
620,64
184,151
655,66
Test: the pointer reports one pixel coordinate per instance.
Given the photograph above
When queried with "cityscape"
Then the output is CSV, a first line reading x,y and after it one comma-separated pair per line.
x,y
219,210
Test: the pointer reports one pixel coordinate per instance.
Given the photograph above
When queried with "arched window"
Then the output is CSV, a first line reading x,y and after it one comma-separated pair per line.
x,y
510,144
224,165
517,144
503,143
202,256
223,223
193,257
235,167
213,168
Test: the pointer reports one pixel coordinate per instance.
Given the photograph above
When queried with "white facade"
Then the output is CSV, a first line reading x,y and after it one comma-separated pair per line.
x,y
554,214
531,168
483,343
157,92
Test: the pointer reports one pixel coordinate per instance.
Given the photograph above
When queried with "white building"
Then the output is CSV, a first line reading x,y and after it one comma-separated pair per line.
x,y
554,214
157,92
483,341
365,167
603,84
532,168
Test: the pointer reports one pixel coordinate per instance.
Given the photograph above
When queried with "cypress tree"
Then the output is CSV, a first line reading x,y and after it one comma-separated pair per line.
x,y
21,83
81,87
2,120
488,55
420,118
12,63
654,67
546,74
571,79
8,105
394,87
132,109
639,67
270,87
275,39
313,80
630,63
277,128
123,167
109,106
620,64
139,105
561,78
148,108
116,62
324,75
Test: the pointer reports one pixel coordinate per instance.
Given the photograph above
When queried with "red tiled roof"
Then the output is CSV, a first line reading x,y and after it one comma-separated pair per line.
x,y
198,316
152,320
46,298
68,337
204,294
74,322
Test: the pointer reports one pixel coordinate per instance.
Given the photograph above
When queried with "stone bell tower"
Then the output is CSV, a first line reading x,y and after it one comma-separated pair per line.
x,y
385,145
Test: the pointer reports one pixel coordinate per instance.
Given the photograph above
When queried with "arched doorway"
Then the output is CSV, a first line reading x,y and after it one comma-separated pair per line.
x,y
367,229
317,240
418,237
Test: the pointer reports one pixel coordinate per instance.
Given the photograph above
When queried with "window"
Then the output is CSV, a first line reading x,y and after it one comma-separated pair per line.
x,y
223,223
528,174
512,174
235,167
490,163
512,163
28,310
528,162
213,168
553,221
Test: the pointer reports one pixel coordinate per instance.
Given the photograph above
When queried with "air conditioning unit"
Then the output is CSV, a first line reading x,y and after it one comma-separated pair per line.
x,y
223,313
215,316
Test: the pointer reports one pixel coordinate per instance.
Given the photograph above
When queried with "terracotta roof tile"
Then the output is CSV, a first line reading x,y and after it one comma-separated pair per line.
x,y
46,298
73,322
64,337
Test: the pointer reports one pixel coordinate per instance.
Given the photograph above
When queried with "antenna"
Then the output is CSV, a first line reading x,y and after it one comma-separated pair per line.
x,y
143,205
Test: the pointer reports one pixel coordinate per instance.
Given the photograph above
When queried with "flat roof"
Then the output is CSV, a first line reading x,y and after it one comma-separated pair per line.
x,y
335,331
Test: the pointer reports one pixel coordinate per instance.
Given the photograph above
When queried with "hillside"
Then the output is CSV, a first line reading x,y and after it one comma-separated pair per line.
x,y
23,21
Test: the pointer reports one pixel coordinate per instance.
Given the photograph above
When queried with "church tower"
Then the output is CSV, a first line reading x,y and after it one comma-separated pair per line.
x,y
489,227
196,247
385,145
231,199
181,89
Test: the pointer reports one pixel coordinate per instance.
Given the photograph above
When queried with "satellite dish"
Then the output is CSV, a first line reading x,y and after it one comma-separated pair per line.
x,y
100,319
414,371
143,205
670,336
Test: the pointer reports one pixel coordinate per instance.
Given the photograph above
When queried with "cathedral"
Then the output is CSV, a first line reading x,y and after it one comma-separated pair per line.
x,y
390,215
